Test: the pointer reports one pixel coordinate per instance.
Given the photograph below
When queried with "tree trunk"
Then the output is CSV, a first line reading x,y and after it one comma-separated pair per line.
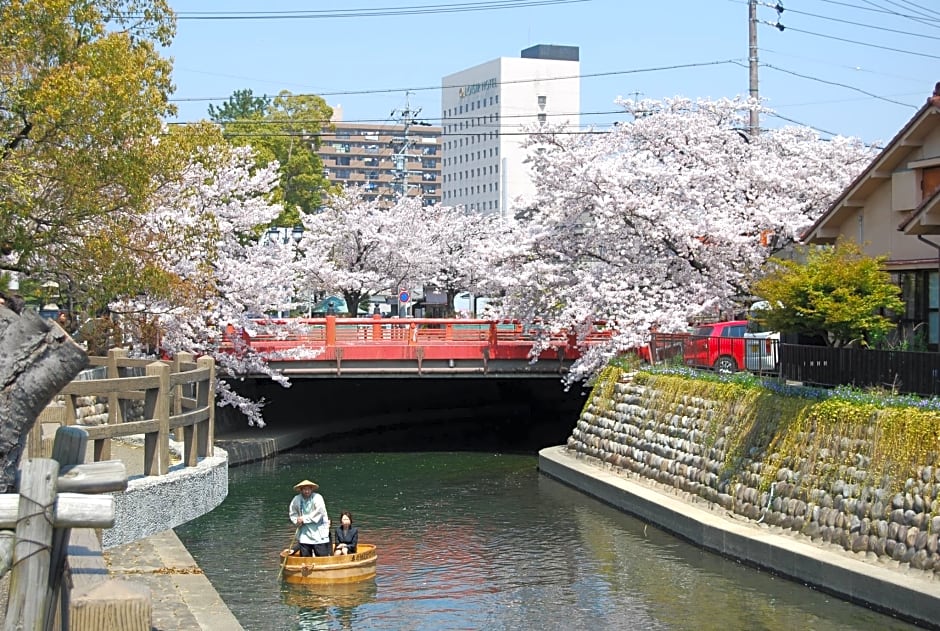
x,y
37,359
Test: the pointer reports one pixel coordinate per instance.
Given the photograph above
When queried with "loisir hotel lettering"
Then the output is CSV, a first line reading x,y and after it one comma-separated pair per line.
x,y
475,88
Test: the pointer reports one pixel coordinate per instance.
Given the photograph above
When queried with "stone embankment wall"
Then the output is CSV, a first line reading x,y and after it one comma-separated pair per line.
x,y
856,476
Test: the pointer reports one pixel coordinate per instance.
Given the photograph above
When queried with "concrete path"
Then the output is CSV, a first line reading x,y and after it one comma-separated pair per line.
x,y
183,598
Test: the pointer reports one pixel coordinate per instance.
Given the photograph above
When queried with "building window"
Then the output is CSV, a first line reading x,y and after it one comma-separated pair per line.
x,y
542,100
929,181
542,118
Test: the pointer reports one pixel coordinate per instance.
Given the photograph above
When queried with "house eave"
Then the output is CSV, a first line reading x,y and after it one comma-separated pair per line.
x,y
877,173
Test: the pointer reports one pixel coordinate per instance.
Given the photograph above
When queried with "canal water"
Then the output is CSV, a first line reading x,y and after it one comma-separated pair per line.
x,y
483,541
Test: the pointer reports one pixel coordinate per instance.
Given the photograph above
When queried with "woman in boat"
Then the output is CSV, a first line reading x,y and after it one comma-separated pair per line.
x,y
308,512
347,535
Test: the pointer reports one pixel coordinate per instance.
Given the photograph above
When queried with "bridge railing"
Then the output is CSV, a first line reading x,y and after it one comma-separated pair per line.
x,y
332,331
170,397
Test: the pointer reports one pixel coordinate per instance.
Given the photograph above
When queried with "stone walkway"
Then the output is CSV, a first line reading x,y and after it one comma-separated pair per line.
x,y
183,598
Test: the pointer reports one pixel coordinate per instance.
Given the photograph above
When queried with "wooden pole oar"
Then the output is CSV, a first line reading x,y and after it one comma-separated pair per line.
x,y
290,549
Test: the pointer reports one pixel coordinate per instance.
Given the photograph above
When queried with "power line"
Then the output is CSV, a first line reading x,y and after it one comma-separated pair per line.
x,y
300,134
924,10
875,10
781,27
892,12
862,24
387,121
796,122
841,85
501,83
916,8
919,80
430,9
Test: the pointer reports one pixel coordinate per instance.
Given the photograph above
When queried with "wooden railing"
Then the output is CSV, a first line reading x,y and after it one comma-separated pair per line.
x,y
176,396
58,576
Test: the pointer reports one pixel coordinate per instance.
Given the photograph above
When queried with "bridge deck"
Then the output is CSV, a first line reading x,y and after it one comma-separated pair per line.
x,y
376,345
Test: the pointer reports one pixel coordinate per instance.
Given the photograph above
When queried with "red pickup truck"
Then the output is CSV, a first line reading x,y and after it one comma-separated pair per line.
x,y
719,345
730,347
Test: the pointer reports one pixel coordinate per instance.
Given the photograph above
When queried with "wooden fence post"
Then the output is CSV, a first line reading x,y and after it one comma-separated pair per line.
x,y
116,405
205,397
179,365
157,407
68,448
31,550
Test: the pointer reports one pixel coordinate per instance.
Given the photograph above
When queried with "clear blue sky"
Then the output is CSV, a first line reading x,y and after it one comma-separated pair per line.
x,y
385,55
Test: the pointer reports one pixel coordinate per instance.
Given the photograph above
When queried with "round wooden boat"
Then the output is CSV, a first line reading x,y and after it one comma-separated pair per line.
x,y
347,568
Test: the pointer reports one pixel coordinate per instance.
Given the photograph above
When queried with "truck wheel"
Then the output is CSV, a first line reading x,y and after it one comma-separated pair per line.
x,y
726,363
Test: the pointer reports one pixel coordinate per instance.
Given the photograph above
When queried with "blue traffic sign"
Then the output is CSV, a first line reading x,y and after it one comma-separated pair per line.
x,y
403,296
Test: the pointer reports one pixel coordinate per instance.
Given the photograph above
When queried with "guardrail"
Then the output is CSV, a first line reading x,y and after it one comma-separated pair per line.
x,y
176,396
378,333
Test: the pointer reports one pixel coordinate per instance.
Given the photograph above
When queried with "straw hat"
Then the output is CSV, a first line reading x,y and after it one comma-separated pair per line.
x,y
304,483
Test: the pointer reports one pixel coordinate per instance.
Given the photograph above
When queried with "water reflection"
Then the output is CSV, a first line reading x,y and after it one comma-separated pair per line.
x,y
328,606
482,541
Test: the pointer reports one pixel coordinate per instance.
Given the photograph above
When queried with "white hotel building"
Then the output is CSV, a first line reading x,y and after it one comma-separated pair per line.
x,y
484,109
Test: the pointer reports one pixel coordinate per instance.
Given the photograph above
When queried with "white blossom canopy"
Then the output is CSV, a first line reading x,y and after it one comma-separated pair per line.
x,y
661,220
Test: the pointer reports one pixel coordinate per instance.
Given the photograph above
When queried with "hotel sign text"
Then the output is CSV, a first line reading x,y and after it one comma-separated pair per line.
x,y
474,88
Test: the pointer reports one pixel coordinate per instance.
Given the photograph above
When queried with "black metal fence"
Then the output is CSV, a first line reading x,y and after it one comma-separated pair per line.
x,y
905,372
901,371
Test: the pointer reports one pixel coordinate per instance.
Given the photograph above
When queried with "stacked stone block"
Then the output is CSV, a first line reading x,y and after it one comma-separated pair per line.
x,y
685,447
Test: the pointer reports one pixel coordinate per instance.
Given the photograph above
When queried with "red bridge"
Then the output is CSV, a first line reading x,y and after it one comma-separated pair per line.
x,y
334,346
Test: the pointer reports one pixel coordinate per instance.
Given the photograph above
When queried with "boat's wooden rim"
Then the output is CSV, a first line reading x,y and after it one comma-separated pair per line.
x,y
365,555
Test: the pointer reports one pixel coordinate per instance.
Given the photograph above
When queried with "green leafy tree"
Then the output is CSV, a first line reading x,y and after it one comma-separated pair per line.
x,y
289,130
838,293
84,93
243,105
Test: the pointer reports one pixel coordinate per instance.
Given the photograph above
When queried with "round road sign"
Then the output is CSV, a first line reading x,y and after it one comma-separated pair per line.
x,y
403,296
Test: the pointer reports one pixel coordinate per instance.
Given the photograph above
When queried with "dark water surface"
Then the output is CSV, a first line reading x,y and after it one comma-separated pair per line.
x,y
483,541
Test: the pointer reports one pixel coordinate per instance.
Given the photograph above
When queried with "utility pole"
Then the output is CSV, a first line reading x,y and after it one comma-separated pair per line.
x,y
407,118
752,62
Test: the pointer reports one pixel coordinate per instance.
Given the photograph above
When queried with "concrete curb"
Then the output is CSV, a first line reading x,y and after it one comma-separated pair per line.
x,y
909,594
152,504
244,447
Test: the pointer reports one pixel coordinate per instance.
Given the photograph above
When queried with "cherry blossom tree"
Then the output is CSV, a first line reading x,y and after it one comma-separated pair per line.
x,y
458,248
206,230
360,248
661,219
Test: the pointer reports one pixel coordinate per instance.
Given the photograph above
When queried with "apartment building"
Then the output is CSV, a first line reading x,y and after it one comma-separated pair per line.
x,y
484,112
384,159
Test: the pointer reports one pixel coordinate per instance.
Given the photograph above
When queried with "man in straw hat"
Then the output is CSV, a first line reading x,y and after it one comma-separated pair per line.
x,y
308,513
